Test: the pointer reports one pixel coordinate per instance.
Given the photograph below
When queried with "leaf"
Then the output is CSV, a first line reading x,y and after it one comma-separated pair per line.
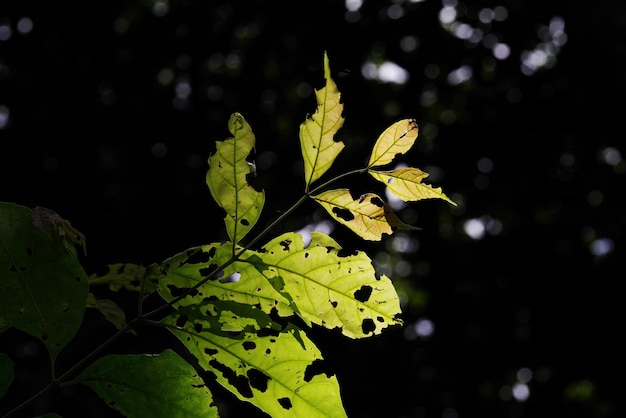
x,y
396,139
230,176
239,282
47,285
119,276
49,222
281,372
7,373
365,216
395,222
143,385
111,311
319,149
406,183
332,289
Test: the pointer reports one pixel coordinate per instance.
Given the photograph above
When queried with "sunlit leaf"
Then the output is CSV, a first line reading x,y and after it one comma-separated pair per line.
x,y
406,183
238,282
44,285
281,372
156,386
365,216
396,139
230,178
7,373
319,149
330,288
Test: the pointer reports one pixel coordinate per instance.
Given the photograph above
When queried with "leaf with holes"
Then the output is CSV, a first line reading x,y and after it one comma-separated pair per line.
x,y
317,132
230,177
237,281
365,216
45,285
279,371
330,288
143,385
406,183
395,140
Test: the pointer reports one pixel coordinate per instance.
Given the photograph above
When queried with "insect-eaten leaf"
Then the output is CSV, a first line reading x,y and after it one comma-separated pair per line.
x,y
406,184
397,139
317,132
330,288
119,276
229,179
280,371
365,216
57,228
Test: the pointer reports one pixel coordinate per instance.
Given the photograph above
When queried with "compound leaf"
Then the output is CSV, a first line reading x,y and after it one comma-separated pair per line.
x,y
395,140
319,149
364,216
279,371
44,285
143,385
329,288
406,183
230,178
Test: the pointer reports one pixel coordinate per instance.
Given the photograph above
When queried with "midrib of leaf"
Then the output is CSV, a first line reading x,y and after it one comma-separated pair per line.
x,y
327,287
321,125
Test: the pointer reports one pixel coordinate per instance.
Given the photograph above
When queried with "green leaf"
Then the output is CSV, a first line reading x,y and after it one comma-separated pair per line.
x,y
49,222
7,373
47,285
119,276
281,372
396,139
330,288
406,183
230,176
153,386
111,311
319,149
364,216
239,282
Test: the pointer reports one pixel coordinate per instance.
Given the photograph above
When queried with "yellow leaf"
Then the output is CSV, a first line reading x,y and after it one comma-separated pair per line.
x,y
319,149
229,179
396,139
406,183
365,216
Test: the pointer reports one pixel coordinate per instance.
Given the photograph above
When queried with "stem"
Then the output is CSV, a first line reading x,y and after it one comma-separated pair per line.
x,y
144,317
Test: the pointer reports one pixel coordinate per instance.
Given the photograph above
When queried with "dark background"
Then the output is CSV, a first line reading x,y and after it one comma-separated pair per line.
x,y
109,110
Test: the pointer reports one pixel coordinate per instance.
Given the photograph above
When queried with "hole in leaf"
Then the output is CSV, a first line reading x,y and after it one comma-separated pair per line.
x,y
29,251
249,345
231,279
181,320
368,326
244,222
258,380
198,256
363,294
210,351
239,382
285,403
285,244
197,327
178,291
317,367
344,214
377,201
